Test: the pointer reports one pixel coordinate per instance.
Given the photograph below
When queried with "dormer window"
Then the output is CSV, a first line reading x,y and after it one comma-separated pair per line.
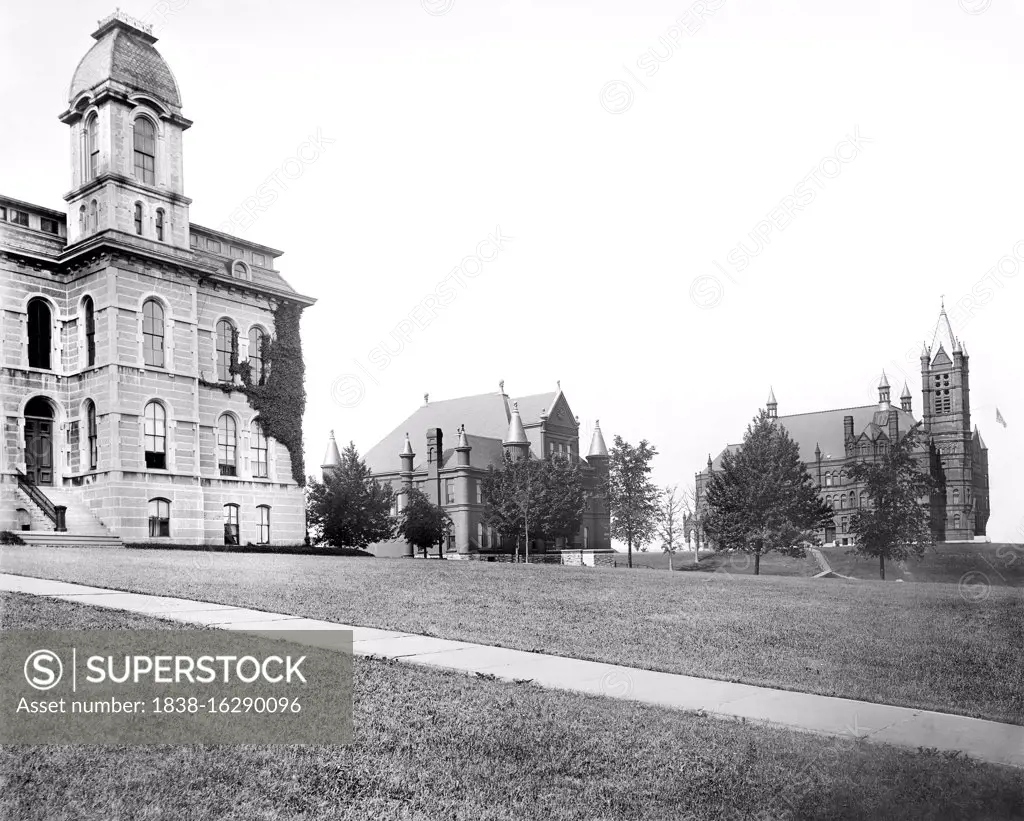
x,y
239,270
145,151
19,217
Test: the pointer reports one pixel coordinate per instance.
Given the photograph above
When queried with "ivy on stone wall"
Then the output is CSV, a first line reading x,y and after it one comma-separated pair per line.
x,y
280,397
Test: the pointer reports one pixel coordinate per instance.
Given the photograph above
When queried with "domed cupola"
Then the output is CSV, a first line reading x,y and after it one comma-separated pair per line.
x,y
123,60
127,177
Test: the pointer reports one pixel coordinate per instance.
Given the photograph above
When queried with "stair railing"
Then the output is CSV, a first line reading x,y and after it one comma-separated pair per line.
x,y
37,496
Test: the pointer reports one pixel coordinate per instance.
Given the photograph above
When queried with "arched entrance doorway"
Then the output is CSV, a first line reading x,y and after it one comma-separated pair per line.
x,y
39,441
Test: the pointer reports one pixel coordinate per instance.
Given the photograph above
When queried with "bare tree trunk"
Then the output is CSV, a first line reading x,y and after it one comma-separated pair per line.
x,y
757,564
881,566
670,568
629,552
526,524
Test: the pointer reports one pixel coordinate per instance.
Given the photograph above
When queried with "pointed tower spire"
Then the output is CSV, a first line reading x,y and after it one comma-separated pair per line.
x,y
407,447
332,458
883,390
597,446
944,332
773,405
516,444
906,399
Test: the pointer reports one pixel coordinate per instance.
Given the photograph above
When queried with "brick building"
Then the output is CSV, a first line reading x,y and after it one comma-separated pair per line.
x,y
830,441
120,324
460,439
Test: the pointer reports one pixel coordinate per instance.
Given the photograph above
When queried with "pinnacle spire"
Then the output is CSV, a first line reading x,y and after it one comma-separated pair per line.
x,y
884,383
516,432
332,458
944,332
906,392
407,448
597,445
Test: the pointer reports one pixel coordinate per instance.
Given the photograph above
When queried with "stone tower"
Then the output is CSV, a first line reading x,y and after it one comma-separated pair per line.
x,y
946,418
126,125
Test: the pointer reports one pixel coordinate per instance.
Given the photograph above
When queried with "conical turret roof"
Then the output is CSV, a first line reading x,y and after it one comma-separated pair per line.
x,y
332,458
771,397
884,383
407,447
597,445
516,433
906,392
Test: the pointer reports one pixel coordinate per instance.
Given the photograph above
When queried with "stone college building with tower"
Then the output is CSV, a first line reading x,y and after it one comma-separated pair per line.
x,y
458,440
127,335
832,440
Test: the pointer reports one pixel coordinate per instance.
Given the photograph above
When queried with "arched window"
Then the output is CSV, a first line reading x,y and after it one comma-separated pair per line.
x,y
258,442
956,521
23,518
160,224
842,501
230,524
90,331
863,498
227,349
92,148
256,366
227,444
153,333
156,436
263,524
843,524
159,518
83,224
94,215
39,334
956,496
828,501
828,480
92,440
138,218
145,151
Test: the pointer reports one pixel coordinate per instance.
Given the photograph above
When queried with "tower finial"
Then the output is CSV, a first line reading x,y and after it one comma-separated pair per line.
x,y
426,399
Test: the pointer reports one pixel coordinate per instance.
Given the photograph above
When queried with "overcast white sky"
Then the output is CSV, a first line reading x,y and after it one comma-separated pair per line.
x,y
624,183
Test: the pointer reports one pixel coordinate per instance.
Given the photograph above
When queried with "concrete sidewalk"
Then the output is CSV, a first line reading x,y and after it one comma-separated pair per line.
x,y
901,726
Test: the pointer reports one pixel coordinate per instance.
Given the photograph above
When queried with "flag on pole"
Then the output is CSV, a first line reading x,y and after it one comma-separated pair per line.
x,y
999,418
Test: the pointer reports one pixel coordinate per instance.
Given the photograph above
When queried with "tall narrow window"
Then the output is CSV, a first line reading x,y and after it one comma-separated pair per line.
x,y
230,524
156,436
90,331
138,218
227,346
256,339
94,215
83,223
160,224
863,498
159,518
259,451
145,151
227,445
39,334
92,148
263,525
153,333
92,441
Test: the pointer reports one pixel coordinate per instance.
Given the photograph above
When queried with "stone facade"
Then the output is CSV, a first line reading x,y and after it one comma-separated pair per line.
x,y
952,451
460,439
119,307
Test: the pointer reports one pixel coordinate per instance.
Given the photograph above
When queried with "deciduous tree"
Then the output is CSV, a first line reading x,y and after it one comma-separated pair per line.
x,y
632,495
422,523
671,521
895,525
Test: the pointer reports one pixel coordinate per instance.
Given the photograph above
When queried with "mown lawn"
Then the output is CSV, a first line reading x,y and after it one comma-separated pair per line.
x,y
915,645
435,745
979,565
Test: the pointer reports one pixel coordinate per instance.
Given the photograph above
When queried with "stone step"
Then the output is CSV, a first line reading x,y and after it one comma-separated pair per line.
x,y
69,539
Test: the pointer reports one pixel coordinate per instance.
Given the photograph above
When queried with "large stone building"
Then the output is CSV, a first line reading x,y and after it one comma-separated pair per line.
x,y
122,328
460,439
831,441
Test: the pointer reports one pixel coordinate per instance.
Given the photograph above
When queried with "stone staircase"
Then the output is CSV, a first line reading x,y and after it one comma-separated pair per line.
x,y
83,528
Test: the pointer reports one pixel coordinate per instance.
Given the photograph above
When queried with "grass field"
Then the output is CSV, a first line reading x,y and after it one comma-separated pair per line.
x,y
914,645
435,745
992,565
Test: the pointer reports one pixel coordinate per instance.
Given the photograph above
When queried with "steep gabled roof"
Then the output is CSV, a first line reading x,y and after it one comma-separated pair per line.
x,y
824,429
486,417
